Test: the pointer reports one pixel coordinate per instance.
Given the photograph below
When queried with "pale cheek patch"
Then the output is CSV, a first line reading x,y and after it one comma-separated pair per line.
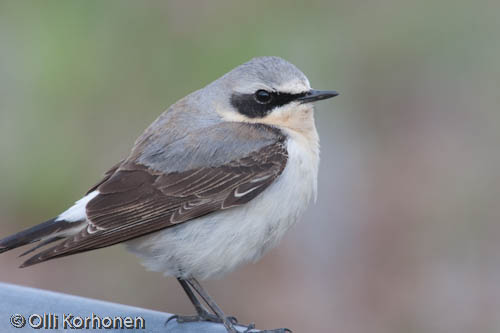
x,y
77,212
293,116
290,115
296,119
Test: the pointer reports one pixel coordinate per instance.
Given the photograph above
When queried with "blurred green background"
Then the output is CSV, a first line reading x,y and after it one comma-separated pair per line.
x,y
404,236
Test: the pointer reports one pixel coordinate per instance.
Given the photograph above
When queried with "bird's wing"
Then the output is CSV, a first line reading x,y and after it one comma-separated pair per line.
x,y
136,200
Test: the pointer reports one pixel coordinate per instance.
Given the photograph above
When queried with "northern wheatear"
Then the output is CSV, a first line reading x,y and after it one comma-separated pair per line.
x,y
213,183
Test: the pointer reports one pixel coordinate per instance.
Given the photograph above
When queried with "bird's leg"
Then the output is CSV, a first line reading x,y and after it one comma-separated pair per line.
x,y
191,284
227,321
203,314
197,305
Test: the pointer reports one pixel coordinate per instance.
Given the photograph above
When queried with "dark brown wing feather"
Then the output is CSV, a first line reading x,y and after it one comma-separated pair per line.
x,y
135,200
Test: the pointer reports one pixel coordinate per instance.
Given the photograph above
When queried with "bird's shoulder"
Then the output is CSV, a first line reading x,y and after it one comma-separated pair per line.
x,y
210,146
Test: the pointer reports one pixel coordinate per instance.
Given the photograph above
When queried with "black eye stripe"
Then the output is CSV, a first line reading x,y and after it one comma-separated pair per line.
x,y
247,105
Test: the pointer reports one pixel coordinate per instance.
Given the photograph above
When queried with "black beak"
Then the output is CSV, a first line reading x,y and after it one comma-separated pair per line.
x,y
317,95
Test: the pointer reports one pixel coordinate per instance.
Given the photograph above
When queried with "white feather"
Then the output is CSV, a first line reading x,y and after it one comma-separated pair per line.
x,y
77,212
239,195
294,87
216,243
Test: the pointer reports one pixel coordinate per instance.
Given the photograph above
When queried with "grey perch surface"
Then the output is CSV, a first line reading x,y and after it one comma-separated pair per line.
x,y
17,301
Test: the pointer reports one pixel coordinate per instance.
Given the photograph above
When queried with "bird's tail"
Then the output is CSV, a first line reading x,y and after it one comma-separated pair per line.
x,y
47,232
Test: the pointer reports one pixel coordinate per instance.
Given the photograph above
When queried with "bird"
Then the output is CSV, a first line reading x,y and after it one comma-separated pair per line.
x,y
214,182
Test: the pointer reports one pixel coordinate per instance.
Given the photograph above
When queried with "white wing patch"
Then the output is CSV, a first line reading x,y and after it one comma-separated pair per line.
x,y
77,212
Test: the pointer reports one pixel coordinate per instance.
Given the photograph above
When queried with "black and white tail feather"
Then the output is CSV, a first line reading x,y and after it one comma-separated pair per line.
x,y
47,232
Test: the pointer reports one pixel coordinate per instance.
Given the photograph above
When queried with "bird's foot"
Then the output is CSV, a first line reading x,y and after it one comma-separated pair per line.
x,y
229,322
202,316
251,329
206,316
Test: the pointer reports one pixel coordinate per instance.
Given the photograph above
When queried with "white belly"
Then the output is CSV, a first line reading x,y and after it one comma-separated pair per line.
x,y
215,244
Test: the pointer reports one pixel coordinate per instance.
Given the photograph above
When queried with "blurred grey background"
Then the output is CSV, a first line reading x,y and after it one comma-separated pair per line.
x,y
404,236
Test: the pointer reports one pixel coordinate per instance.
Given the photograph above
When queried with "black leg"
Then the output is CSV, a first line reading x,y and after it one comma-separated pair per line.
x,y
190,285
211,304
202,313
197,305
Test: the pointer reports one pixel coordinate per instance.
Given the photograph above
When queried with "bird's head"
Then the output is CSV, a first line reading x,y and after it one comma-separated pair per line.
x,y
268,90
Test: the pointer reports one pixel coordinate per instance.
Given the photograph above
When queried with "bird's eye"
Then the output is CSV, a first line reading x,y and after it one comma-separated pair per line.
x,y
263,97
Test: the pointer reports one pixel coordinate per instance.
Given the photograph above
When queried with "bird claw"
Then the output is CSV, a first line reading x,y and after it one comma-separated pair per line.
x,y
251,329
214,319
170,318
195,318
